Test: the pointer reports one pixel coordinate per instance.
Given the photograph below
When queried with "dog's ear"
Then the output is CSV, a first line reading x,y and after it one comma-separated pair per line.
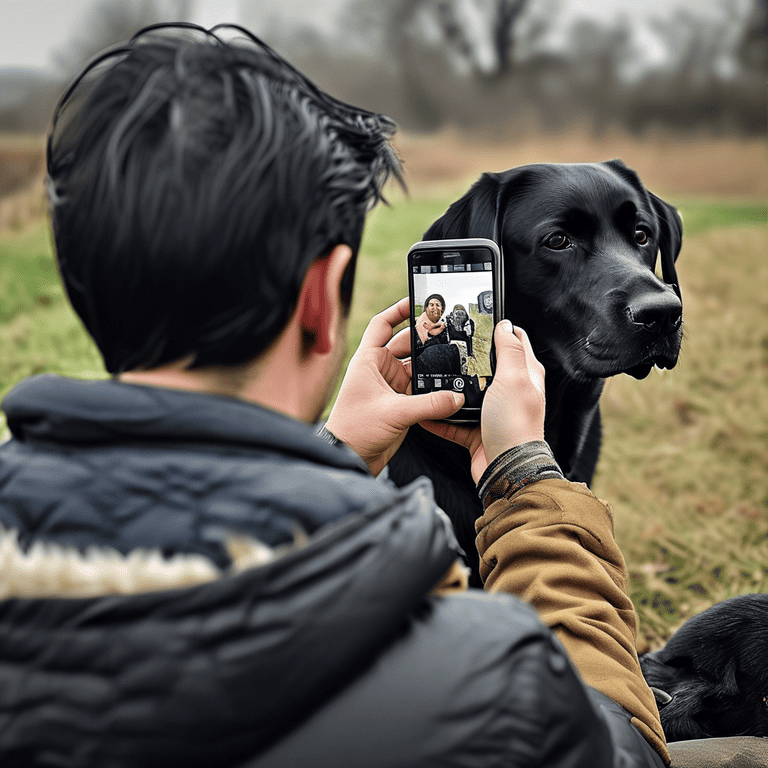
x,y
670,223
473,215
670,239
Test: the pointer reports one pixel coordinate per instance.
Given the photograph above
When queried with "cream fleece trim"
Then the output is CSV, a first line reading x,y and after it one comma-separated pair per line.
x,y
50,570
456,579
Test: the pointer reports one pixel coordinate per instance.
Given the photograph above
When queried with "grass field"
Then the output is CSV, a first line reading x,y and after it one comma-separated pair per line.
x,y
685,457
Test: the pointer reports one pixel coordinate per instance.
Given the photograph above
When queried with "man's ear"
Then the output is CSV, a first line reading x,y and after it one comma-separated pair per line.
x,y
319,305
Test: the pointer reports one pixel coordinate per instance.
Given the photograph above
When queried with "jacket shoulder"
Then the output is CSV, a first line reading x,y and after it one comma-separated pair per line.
x,y
474,679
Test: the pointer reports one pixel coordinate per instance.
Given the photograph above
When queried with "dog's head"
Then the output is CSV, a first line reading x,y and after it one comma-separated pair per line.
x,y
711,678
580,245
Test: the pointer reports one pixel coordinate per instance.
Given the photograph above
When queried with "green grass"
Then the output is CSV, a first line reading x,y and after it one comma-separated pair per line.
x,y
28,274
685,456
38,330
701,215
381,274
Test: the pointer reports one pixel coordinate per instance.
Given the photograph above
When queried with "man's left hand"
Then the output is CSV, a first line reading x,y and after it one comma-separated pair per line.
x,y
374,408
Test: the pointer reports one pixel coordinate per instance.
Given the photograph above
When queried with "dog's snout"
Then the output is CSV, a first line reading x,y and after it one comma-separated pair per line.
x,y
658,313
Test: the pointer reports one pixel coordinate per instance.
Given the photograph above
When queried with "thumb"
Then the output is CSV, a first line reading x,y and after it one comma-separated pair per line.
x,y
431,407
513,411
510,351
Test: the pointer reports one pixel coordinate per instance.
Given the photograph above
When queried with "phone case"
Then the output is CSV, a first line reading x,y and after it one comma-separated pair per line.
x,y
474,392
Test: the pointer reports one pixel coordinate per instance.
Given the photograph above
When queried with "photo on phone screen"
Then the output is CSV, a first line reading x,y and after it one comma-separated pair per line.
x,y
452,321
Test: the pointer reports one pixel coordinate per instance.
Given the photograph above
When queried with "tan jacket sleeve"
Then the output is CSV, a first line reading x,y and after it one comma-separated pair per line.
x,y
551,544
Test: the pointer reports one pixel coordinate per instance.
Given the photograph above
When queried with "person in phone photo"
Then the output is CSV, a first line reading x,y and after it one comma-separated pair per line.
x,y
461,327
430,326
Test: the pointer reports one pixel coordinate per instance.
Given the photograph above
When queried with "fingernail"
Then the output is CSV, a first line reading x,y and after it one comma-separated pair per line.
x,y
506,325
458,399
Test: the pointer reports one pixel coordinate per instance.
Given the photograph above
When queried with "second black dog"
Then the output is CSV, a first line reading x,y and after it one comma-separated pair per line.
x,y
580,245
711,678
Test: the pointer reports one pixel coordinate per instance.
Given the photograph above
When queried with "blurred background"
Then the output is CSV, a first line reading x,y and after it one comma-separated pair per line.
x,y
503,66
675,88
497,70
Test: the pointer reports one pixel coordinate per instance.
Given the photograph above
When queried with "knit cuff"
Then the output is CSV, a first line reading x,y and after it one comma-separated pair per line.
x,y
329,437
514,469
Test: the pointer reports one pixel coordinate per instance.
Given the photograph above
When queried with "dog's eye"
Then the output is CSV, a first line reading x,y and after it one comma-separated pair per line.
x,y
557,242
641,236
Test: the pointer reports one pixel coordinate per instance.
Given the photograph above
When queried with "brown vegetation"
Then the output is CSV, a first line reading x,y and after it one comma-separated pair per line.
x,y
21,161
685,456
698,166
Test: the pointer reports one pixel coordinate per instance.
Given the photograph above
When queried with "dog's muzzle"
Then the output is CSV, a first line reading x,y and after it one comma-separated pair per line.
x,y
659,316
658,313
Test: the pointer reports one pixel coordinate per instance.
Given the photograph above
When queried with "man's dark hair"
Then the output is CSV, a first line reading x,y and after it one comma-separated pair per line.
x,y
194,176
435,296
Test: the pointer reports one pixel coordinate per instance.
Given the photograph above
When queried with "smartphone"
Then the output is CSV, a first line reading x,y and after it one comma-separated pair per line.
x,y
456,294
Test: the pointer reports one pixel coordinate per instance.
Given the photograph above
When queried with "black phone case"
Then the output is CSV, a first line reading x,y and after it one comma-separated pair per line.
x,y
470,413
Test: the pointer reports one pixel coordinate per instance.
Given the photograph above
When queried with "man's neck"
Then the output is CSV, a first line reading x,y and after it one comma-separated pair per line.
x,y
227,382
280,379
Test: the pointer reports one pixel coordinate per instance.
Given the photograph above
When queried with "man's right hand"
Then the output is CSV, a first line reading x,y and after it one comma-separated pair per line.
x,y
513,407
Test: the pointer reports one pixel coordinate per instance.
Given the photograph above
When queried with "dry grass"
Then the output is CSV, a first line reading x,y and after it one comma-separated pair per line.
x,y
21,176
691,165
445,163
685,457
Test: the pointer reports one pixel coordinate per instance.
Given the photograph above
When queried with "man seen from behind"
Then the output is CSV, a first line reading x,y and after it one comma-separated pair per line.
x,y
196,575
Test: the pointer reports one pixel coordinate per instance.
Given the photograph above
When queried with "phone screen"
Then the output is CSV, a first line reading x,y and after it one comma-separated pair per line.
x,y
452,320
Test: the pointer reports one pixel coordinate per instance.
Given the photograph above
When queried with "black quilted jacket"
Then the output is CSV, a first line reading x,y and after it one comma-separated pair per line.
x,y
333,654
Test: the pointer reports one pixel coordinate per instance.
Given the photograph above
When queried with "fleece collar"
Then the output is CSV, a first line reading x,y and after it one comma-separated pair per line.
x,y
50,408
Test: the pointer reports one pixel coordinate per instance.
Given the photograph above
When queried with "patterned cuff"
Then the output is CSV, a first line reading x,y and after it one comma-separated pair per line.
x,y
329,437
516,468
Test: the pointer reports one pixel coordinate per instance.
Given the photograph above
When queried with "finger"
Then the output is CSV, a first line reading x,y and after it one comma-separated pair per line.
x,y
379,330
400,344
396,375
466,436
535,368
526,342
510,349
430,407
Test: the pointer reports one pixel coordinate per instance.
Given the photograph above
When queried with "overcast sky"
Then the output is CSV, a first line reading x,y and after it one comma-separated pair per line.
x,y
455,289
31,30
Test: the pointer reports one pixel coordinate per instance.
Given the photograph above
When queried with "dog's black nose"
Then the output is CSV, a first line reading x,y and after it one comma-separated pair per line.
x,y
659,313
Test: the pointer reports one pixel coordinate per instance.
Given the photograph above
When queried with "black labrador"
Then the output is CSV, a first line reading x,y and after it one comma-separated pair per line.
x,y
711,678
579,245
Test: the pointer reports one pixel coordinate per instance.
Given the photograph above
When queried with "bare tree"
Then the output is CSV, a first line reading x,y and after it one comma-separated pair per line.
x,y
112,21
445,49
753,51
